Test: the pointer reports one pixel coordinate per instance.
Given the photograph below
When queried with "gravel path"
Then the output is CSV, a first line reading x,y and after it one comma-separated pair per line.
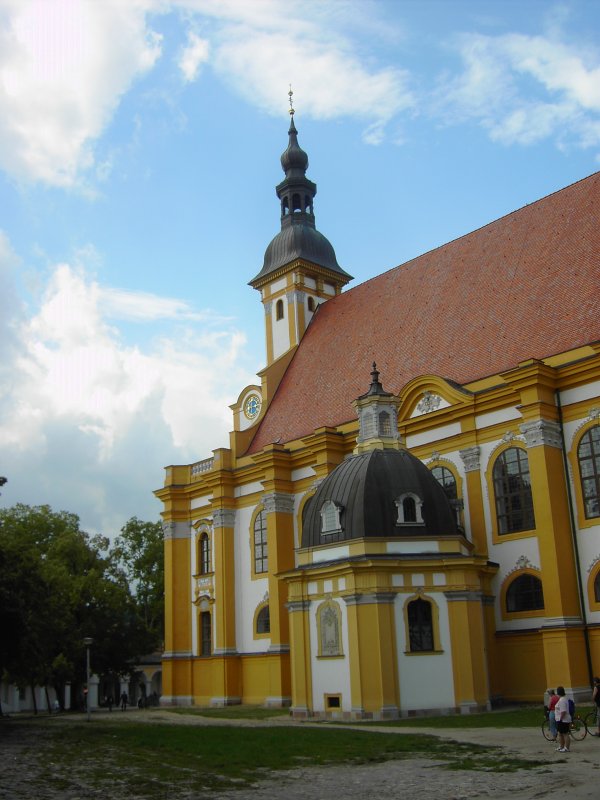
x,y
576,774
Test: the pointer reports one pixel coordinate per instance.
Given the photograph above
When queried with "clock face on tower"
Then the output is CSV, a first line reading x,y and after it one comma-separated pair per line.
x,y
252,406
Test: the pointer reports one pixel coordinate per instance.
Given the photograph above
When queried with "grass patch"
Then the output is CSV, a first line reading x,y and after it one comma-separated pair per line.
x,y
157,761
232,712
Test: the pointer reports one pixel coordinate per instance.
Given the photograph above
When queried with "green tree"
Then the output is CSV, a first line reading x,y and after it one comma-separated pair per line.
x,y
58,586
139,553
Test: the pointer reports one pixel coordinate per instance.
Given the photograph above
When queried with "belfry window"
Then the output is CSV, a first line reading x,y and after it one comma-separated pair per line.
x,y
261,553
285,207
420,626
588,455
410,510
525,593
330,518
512,490
385,424
279,309
296,204
311,304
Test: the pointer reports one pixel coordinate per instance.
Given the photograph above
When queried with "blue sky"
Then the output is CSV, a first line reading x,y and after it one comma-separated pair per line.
x,y
139,151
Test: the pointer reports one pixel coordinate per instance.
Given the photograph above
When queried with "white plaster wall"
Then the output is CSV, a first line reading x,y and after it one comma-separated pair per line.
x,y
328,288
433,435
426,681
310,283
247,488
331,553
408,546
590,391
303,472
329,675
200,502
496,417
277,286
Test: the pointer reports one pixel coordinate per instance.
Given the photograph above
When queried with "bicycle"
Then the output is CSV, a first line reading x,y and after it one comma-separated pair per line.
x,y
578,729
591,720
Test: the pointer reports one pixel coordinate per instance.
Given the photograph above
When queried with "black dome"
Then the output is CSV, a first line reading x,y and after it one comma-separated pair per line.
x,y
366,487
299,241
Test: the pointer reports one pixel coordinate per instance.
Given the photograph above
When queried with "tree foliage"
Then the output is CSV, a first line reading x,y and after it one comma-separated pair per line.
x,y
59,585
139,552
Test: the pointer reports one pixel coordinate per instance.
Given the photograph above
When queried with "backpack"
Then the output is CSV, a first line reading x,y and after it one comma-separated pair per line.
x,y
571,708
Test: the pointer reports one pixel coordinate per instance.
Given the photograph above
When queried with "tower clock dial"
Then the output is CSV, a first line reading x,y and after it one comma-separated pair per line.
x,y
252,406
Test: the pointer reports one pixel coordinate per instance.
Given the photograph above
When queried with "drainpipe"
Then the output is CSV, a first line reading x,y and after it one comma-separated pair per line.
x,y
582,600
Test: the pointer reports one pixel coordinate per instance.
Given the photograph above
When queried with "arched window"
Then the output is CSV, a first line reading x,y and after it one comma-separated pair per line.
x,y
420,626
588,455
512,490
261,553
285,206
597,587
204,553
330,517
410,510
263,620
311,304
447,481
279,309
296,204
205,634
525,594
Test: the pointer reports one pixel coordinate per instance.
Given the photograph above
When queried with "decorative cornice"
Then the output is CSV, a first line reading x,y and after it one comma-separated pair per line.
x,y
223,518
278,502
176,530
297,605
470,457
225,651
462,595
542,432
373,598
173,655
279,648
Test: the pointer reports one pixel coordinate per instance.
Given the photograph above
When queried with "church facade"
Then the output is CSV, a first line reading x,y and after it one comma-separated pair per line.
x,y
407,519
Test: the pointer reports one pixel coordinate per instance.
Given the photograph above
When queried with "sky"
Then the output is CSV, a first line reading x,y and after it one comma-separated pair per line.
x,y
139,154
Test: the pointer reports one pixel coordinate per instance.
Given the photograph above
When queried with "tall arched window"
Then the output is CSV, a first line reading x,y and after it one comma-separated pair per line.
x,y
311,304
420,626
597,587
263,620
204,553
205,634
588,455
525,593
261,553
279,309
512,491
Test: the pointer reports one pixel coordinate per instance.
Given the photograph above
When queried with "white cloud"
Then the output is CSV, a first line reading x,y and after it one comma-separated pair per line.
x,y
523,89
64,64
193,55
79,402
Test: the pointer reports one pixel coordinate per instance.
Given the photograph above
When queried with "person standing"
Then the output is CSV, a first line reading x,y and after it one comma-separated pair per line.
x,y
552,701
124,701
596,700
563,721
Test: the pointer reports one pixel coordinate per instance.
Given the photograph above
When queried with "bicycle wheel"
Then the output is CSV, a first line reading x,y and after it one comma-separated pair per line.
x,y
546,731
591,721
578,729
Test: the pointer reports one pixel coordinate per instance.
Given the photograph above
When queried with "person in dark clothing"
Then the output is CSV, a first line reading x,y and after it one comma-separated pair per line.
x,y
124,701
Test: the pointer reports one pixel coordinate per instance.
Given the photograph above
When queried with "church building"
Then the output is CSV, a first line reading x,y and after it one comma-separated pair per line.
x,y
407,517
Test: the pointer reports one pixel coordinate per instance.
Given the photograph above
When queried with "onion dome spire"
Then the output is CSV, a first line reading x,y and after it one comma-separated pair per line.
x,y
298,238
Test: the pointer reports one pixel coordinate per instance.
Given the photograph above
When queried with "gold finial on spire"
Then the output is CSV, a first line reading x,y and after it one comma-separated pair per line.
x,y
291,94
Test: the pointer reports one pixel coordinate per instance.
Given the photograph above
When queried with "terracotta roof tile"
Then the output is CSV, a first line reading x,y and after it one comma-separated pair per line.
x,y
524,286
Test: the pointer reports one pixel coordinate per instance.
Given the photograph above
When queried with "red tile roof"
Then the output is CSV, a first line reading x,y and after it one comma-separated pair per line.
x,y
524,286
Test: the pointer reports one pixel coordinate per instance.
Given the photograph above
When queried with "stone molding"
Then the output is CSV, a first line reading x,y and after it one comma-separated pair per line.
x,y
462,595
176,530
377,598
542,432
297,605
471,458
275,502
223,518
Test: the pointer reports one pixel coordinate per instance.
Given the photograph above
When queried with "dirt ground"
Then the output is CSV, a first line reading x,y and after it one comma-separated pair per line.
x,y
576,773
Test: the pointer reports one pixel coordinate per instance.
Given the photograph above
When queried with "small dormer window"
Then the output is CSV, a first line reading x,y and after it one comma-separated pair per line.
x,y
330,518
410,510
385,424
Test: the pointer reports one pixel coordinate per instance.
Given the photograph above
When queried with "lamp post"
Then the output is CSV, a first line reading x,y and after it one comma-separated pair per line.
x,y
87,642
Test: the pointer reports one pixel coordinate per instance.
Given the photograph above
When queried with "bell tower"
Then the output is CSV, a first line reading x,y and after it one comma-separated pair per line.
x,y
300,269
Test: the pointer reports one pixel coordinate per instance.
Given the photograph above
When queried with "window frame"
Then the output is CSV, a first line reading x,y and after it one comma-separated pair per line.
x,y
506,586
509,497
260,556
